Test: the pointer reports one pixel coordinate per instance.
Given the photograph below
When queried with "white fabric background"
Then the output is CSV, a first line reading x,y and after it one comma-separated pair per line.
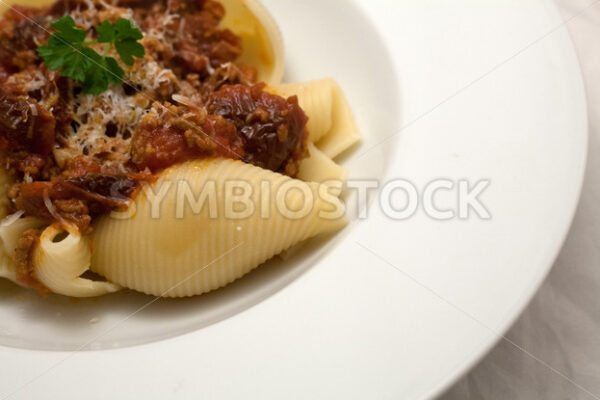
x,y
562,324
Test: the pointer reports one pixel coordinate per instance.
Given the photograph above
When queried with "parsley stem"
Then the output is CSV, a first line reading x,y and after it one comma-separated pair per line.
x,y
106,50
90,43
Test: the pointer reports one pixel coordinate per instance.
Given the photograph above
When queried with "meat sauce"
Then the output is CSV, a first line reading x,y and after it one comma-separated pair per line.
x,y
171,135
20,35
227,114
24,260
270,127
25,125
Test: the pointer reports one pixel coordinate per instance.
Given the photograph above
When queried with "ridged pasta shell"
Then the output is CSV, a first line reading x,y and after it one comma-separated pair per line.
x,y
168,248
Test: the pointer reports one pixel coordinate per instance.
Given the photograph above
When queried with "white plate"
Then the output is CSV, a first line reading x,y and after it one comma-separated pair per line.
x,y
385,309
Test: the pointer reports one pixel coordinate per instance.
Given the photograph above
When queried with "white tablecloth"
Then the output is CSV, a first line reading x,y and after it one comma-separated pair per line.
x,y
561,327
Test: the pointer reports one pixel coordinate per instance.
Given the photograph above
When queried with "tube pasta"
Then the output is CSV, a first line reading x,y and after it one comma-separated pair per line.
x,y
57,264
60,263
186,251
10,234
317,167
331,126
7,270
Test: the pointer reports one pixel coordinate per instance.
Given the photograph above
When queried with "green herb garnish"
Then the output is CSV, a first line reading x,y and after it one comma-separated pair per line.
x,y
68,51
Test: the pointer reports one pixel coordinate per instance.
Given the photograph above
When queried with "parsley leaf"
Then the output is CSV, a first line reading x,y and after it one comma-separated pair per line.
x,y
106,32
75,66
67,30
63,44
68,52
126,37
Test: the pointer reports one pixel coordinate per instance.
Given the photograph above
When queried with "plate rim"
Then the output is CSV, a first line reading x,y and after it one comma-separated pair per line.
x,y
479,351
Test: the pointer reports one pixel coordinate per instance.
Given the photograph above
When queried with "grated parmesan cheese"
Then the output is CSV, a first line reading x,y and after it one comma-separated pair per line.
x,y
29,80
35,81
94,114
159,31
149,75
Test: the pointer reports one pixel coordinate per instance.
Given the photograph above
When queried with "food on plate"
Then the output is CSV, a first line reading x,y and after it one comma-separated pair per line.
x,y
151,145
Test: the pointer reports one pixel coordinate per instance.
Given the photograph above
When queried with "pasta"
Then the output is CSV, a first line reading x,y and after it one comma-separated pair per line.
x,y
10,233
263,44
60,263
185,251
332,125
7,271
195,169
317,167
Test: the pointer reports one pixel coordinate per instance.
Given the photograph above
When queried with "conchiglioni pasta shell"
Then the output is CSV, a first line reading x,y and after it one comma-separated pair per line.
x,y
331,125
166,248
317,167
27,3
262,40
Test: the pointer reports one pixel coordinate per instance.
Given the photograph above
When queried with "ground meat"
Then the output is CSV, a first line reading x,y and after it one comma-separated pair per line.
x,y
199,41
22,30
23,258
31,199
172,134
227,74
63,108
62,7
271,127
194,42
102,192
47,88
74,211
82,165
25,125
75,200
4,73
26,163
